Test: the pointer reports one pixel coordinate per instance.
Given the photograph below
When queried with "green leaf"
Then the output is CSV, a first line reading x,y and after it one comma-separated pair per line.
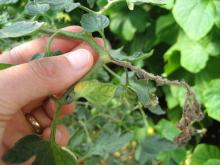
x,y
211,99
44,152
167,129
128,30
176,156
172,57
204,152
118,54
57,4
5,66
217,18
166,29
94,22
71,7
151,147
211,42
140,87
109,143
88,90
212,162
91,3
5,2
126,24
36,9
193,56
19,29
131,3
196,17
156,109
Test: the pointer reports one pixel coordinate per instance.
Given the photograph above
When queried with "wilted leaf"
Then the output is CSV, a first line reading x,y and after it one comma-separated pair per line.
x,y
94,22
95,91
44,151
19,29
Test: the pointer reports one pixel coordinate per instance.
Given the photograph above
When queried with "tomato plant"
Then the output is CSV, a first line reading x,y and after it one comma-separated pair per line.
x,y
153,95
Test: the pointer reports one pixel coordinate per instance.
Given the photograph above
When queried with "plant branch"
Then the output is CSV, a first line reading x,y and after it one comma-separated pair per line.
x,y
87,9
191,110
83,36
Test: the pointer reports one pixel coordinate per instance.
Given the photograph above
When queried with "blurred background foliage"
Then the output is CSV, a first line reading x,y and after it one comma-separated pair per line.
x,y
185,37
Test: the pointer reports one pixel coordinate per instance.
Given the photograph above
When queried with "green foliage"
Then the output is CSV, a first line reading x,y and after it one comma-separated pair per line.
x,y
4,2
167,129
211,97
191,14
94,22
203,153
37,8
120,118
148,150
212,162
19,29
109,143
45,152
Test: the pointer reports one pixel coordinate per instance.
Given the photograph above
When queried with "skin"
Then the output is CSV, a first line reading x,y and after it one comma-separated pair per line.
x,y
26,87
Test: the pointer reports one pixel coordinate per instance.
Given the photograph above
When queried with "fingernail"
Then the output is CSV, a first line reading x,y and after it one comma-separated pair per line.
x,y
58,135
79,58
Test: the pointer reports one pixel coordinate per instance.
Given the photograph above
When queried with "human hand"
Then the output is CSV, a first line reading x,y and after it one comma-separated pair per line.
x,y
26,87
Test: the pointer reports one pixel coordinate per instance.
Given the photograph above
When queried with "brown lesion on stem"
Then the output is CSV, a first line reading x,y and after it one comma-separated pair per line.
x,y
191,110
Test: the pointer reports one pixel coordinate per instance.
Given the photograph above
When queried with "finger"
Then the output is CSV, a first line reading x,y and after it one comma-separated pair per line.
x,y
33,105
23,53
24,83
50,109
16,128
42,118
62,135
84,45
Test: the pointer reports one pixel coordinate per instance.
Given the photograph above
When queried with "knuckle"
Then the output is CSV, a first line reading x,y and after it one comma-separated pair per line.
x,y
44,70
16,56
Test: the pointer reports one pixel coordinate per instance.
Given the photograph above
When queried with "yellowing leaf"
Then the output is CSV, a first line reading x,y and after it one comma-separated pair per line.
x,y
95,91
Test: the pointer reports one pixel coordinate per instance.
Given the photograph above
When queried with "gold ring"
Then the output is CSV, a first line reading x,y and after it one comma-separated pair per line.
x,y
34,123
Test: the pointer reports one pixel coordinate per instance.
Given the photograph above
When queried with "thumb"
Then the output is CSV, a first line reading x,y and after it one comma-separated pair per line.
x,y
26,82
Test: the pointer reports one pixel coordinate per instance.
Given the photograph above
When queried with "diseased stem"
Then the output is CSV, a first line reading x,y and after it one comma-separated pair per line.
x,y
191,109
142,74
